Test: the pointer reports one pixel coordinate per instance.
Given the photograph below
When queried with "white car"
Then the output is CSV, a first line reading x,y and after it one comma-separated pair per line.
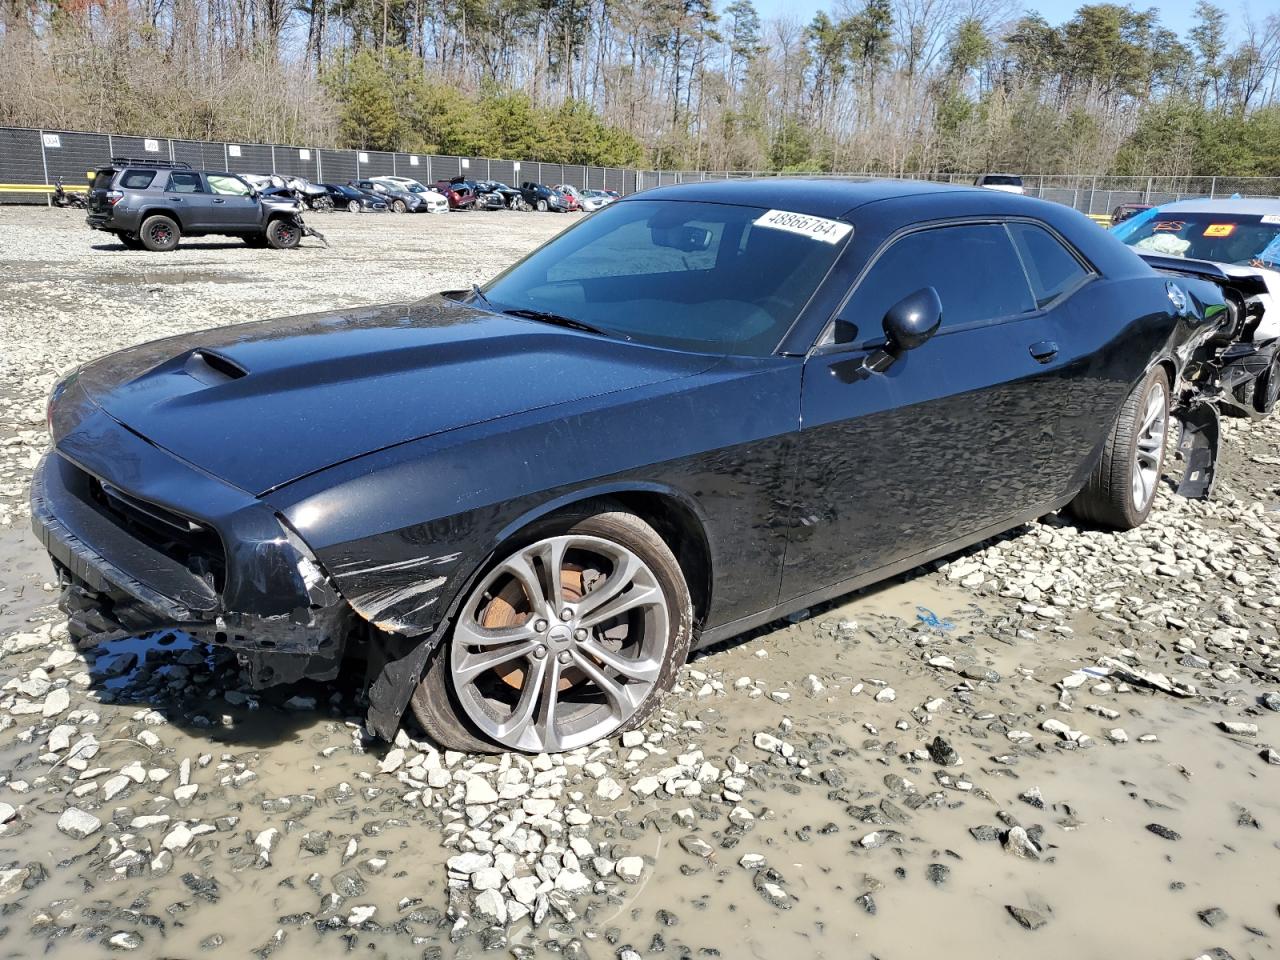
x,y
435,200
593,200
1235,243
1004,182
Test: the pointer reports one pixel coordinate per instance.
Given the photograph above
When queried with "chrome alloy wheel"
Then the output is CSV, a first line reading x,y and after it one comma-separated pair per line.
x,y
1148,451
560,644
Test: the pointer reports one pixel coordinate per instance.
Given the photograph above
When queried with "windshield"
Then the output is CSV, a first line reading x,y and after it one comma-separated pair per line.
x,y
1233,238
709,277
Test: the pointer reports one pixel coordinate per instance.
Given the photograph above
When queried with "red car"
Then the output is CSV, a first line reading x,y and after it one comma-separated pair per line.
x,y
570,197
459,194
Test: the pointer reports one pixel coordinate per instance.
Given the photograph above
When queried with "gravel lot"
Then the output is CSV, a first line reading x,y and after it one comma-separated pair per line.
x,y
1063,744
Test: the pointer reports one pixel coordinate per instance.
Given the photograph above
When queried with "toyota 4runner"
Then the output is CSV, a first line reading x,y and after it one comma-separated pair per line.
x,y
152,204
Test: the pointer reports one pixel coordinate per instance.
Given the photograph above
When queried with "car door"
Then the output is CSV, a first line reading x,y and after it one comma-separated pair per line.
x,y
190,199
952,439
233,205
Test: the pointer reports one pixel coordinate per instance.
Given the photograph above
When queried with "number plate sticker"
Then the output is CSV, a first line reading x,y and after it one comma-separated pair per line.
x,y
815,228
1219,229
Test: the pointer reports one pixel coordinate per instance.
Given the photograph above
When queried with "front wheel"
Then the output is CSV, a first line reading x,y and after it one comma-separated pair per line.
x,y
353,206
283,234
542,206
1122,487
575,634
397,206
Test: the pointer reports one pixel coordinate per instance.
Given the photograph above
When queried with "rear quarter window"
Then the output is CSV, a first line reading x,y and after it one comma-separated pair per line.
x,y
1052,269
136,179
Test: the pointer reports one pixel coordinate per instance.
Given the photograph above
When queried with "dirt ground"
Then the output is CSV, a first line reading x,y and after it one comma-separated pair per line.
x,y
1061,744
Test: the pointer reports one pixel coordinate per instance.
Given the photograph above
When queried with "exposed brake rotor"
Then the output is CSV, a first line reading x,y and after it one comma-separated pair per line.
x,y
510,607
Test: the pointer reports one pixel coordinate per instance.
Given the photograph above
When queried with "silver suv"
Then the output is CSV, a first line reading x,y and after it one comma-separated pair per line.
x,y
152,204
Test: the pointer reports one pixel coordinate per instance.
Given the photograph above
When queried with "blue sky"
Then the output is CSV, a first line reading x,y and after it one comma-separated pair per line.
x,y
1174,14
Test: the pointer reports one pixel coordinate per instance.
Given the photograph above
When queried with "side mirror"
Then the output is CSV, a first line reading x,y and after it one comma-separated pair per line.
x,y
907,324
913,319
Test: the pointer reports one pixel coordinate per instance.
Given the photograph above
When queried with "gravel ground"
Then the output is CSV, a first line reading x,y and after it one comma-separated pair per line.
x,y
1064,742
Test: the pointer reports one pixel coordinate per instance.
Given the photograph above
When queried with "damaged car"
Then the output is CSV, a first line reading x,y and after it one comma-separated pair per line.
x,y
518,507
1234,244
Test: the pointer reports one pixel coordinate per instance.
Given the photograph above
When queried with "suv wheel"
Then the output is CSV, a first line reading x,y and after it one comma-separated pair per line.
x,y
159,233
575,634
542,206
283,234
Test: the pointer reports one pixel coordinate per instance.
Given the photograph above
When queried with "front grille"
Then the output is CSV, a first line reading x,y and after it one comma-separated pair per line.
x,y
194,545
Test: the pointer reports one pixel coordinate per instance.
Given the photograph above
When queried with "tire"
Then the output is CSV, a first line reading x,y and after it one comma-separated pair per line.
x,y
1266,391
159,233
283,235
1115,496
542,206
397,206
353,206
451,708
131,241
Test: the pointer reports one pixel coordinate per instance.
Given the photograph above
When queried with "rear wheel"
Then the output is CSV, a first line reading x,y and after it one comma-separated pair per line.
x,y
1123,484
159,233
283,234
573,635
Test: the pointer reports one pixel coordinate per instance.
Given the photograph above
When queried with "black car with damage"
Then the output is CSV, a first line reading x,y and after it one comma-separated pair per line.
x,y
705,407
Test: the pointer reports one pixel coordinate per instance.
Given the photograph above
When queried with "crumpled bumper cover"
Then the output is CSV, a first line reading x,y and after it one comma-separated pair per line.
x,y
272,596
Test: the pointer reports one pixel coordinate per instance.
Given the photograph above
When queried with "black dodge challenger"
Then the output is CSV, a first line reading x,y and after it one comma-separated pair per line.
x,y
700,409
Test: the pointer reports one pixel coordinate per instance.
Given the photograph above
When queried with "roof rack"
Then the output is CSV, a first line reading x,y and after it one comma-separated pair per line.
x,y
149,162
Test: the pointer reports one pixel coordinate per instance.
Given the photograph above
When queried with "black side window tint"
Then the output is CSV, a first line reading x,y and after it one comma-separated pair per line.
x,y
1051,268
973,268
181,182
137,179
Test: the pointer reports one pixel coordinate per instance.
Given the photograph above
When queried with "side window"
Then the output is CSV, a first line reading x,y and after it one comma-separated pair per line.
x,y
973,267
182,181
136,179
227,185
1051,267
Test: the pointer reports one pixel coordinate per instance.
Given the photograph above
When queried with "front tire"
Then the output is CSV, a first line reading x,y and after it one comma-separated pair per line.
x,y
574,634
542,206
353,206
283,235
398,206
160,233
1122,487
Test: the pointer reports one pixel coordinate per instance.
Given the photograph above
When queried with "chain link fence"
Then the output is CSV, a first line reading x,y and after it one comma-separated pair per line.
x,y
32,160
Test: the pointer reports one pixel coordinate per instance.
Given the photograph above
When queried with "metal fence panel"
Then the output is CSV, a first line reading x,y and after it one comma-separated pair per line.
x,y
78,154
337,166
142,148
295,162
254,158
614,179
19,156
412,165
504,171
445,168
376,163
201,154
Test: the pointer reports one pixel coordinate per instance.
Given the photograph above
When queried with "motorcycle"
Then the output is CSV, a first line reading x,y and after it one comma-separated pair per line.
x,y
61,198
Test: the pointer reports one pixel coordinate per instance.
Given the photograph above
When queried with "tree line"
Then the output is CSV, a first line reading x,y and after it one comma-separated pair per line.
x,y
898,86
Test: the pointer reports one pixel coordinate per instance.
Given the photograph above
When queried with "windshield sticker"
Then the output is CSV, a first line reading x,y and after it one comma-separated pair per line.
x,y
1270,218
1219,229
1173,226
816,228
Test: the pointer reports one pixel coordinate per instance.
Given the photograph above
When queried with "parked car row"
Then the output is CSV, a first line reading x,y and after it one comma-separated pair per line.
x,y
151,204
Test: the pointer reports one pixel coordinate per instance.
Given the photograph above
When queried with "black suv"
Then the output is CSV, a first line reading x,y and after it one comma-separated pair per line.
x,y
542,198
151,204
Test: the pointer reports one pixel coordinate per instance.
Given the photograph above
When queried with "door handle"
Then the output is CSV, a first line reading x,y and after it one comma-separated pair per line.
x,y
218,200
175,199
1044,350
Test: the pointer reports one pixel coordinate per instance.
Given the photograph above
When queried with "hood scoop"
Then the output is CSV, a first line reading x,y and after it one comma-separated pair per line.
x,y
212,368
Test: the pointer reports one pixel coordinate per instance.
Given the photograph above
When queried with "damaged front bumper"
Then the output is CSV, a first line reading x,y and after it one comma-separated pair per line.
x,y
142,541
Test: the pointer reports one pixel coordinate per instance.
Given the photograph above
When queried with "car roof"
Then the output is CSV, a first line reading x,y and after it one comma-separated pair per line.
x,y
832,197
1260,206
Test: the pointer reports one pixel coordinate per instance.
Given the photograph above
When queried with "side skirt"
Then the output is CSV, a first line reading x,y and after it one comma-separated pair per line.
x,y
778,611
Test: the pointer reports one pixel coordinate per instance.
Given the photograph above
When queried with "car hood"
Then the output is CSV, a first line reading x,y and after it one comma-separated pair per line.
x,y
261,404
